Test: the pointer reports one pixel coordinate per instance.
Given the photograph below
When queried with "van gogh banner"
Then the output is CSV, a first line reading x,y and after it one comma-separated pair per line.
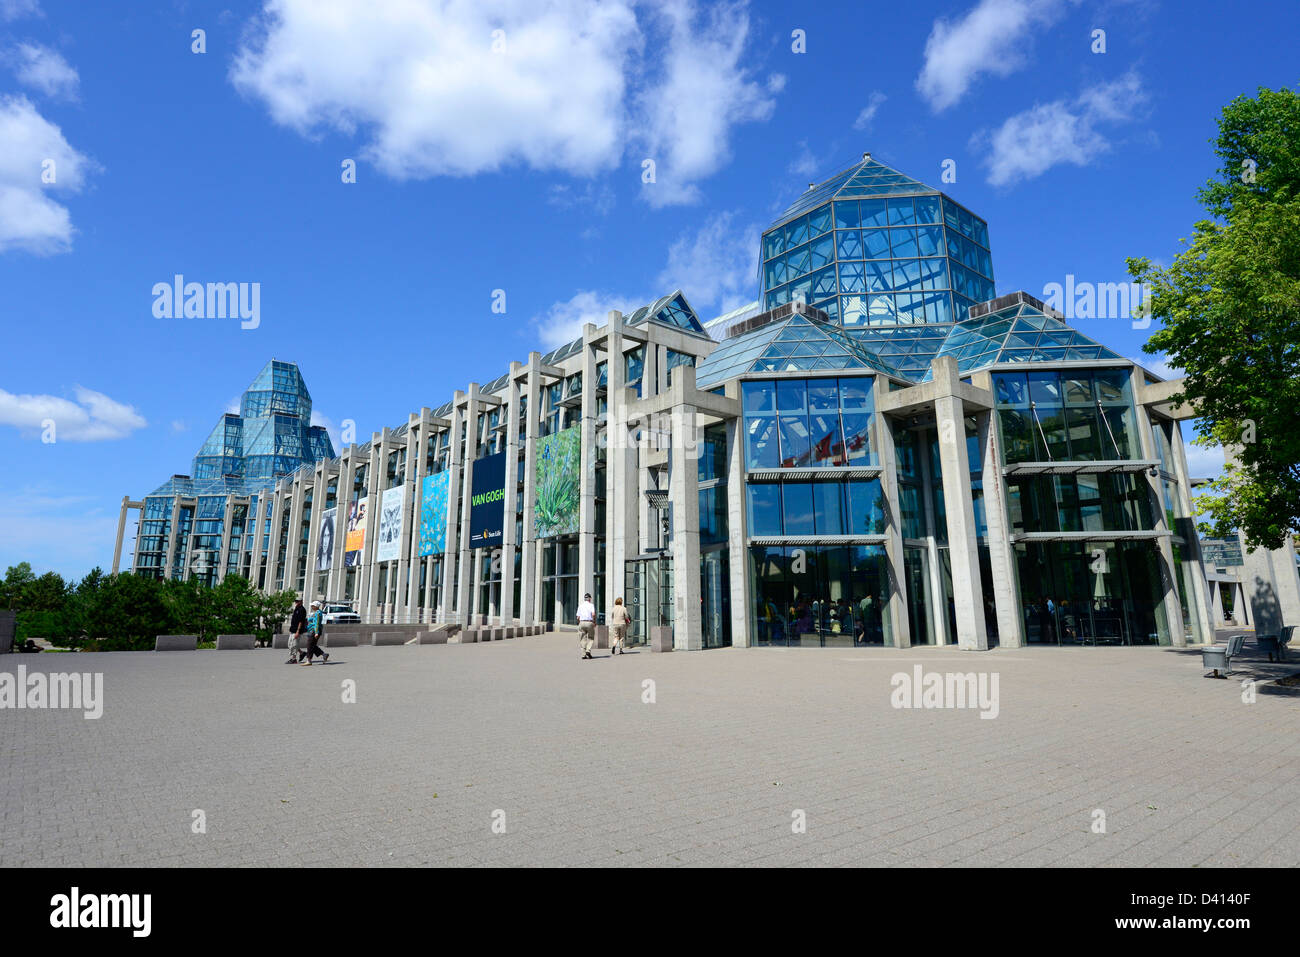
x,y
325,550
389,546
356,538
433,514
559,465
487,507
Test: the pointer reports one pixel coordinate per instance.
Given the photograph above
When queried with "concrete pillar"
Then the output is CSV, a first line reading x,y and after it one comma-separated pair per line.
x,y
376,479
587,476
1204,618
343,500
1170,609
886,454
1002,560
417,443
223,554
684,493
963,546
510,542
172,531
620,465
530,570
298,500
121,532
468,569
454,463
737,553
319,492
255,564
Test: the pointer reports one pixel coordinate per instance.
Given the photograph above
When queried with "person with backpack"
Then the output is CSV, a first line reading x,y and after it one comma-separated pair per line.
x,y
297,629
619,619
315,628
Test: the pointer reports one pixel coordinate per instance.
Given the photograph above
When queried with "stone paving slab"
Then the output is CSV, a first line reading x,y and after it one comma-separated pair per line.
x,y
442,741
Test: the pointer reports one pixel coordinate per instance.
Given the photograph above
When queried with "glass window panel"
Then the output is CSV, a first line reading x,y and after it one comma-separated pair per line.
x,y
907,274
938,308
823,394
857,437
764,504
759,396
791,396
902,211
828,500
875,243
827,443
761,448
797,508
852,277
819,221
848,244
903,243
874,213
927,209
853,310
877,277
929,241
796,447
846,214
822,251
866,507
855,392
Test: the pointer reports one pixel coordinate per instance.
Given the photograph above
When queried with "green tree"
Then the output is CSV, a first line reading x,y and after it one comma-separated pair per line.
x,y
17,578
1229,305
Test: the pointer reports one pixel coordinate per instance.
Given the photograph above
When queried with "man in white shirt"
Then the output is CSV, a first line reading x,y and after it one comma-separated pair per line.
x,y
586,625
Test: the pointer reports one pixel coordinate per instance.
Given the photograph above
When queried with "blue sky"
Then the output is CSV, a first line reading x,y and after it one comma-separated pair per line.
x,y
520,168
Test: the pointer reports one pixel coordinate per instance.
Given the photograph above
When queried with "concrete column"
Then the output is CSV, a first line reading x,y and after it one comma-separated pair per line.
x,y
963,546
121,532
684,493
417,441
587,476
298,491
223,554
320,485
1204,618
172,530
258,514
449,578
737,533
899,616
343,501
510,541
529,570
1172,608
1002,561
468,568
376,478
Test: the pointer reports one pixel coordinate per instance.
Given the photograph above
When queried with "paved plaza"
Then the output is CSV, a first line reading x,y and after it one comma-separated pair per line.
x,y
567,758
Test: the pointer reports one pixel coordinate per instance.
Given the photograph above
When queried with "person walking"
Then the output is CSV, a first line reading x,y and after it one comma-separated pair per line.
x,y
586,625
619,619
297,628
313,635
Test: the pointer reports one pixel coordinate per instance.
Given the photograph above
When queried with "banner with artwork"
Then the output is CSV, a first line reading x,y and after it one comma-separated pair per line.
x,y
487,507
559,467
325,548
356,538
389,546
433,514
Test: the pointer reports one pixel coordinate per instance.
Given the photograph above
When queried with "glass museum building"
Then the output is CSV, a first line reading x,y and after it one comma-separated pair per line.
x,y
880,450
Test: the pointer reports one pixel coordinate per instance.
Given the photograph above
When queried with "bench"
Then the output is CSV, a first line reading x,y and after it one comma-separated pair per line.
x,y
236,642
1219,657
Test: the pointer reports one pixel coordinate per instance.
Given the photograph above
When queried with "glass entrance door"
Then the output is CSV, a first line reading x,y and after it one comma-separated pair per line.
x,y
916,569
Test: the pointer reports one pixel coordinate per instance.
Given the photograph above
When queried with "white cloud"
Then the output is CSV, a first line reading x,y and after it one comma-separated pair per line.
x,y
1029,143
420,84
93,417
990,38
805,164
1159,365
563,322
863,122
17,9
44,70
29,219
705,89
716,265
178,425
599,198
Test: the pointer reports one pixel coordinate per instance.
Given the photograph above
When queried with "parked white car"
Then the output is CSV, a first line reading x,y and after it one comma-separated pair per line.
x,y
339,614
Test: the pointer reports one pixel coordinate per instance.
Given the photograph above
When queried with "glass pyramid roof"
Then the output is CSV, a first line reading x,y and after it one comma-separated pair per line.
x,y
797,344
1017,333
866,179
669,310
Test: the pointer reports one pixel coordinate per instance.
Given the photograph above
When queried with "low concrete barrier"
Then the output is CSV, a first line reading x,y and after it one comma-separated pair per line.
x,y
468,636
280,641
175,642
602,636
510,631
236,642
498,634
438,636
378,638
338,639
661,638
